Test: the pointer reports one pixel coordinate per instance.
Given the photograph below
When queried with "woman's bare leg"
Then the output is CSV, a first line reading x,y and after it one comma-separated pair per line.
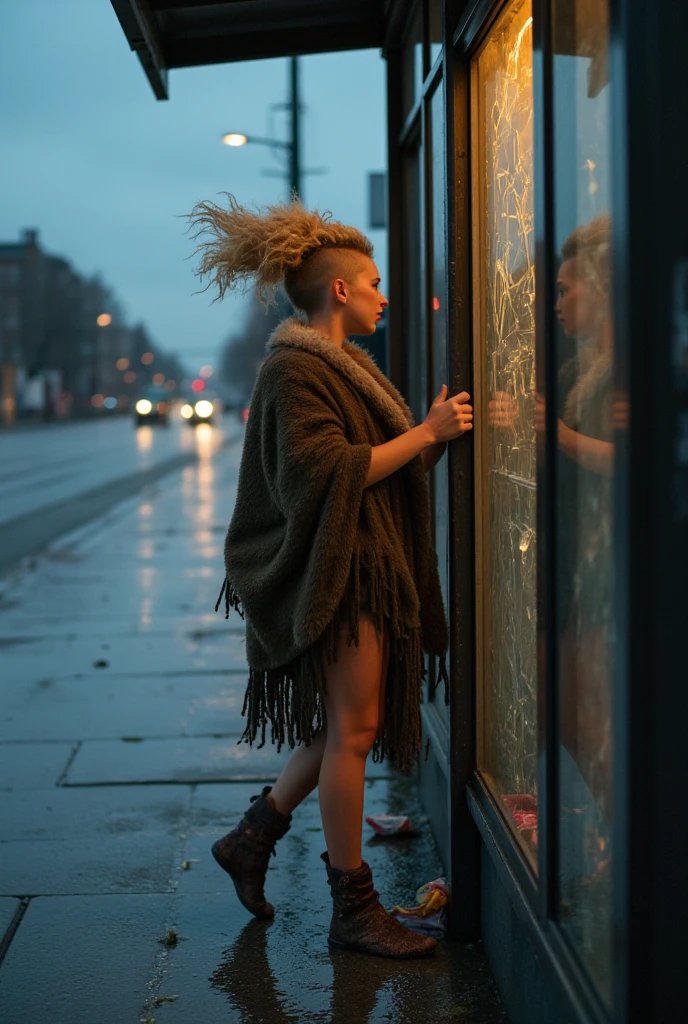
x,y
299,777
352,703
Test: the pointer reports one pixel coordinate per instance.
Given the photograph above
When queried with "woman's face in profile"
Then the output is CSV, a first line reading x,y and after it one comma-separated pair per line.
x,y
577,306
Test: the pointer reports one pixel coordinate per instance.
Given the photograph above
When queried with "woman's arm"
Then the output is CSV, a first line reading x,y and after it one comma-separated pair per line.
x,y
448,418
588,452
432,455
386,458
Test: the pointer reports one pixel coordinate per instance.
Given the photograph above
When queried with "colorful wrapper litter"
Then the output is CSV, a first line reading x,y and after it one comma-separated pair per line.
x,y
388,826
430,913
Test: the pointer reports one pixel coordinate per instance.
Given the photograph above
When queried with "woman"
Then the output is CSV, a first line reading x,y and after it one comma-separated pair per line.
x,y
328,552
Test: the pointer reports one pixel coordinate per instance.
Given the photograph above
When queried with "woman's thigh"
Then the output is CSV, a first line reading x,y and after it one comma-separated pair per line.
x,y
354,682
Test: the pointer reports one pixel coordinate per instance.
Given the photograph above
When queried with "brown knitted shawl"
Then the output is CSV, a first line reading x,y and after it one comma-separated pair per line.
x,y
305,532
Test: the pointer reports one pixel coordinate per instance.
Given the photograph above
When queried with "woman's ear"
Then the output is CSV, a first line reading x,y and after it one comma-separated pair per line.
x,y
340,290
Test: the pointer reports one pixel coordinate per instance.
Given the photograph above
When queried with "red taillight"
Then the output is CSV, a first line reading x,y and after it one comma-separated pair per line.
x,y
244,415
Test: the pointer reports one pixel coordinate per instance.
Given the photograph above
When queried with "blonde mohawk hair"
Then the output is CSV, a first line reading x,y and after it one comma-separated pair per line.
x,y
241,247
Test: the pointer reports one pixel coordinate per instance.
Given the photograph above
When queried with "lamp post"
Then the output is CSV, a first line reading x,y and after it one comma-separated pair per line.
x,y
291,146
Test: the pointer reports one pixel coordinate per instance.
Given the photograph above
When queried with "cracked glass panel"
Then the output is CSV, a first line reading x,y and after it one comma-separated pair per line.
x,y
589,414
504,374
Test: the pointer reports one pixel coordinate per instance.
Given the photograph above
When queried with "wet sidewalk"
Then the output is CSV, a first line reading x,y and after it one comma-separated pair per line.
x,y
119,717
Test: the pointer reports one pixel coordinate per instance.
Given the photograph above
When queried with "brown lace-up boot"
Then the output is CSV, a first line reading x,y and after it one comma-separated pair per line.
x,y
361,923
244,853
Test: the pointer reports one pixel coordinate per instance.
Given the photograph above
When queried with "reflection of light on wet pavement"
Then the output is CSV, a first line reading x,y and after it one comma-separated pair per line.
x,y
146,548
145,613
207,544
233,753
145,510
144,439
146,576
205,440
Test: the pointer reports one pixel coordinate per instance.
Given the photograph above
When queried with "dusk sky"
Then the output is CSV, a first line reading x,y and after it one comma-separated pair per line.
x,y
102,169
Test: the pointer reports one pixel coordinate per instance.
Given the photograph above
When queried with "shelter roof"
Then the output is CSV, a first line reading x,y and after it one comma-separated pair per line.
x,y
184,33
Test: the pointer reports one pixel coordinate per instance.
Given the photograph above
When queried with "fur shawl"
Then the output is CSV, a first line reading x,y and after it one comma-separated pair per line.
x,y
306,535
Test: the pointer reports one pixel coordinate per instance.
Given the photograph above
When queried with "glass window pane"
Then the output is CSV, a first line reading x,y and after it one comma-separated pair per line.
x,y
435,29
413,60
413,284
504,373
438,321
587,415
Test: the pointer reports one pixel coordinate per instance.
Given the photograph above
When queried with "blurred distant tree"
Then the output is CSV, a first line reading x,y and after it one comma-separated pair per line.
x,y
244,349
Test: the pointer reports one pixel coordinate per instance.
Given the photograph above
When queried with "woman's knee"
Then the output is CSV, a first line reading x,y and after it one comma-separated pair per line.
x,y
357,739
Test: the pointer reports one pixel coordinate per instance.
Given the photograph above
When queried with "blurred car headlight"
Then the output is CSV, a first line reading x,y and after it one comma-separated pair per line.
x,y
204,409
143,406
187,411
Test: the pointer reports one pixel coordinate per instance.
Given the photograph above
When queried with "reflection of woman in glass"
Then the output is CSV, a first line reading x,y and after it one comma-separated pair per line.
x,y
585,432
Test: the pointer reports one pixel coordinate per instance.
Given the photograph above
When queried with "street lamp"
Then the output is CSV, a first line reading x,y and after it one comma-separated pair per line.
x,y
234,139
292,146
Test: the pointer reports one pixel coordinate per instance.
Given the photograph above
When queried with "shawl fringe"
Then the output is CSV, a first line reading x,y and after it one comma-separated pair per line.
x,y
289,700
232,599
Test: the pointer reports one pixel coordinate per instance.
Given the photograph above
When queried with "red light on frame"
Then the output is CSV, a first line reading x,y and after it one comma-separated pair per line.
x,y
197,385
435,303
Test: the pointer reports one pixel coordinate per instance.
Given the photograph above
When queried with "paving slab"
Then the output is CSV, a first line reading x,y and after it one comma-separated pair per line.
x,y
61,813
17,624
140,863
74,656
32,765
191,759
110,707
83,960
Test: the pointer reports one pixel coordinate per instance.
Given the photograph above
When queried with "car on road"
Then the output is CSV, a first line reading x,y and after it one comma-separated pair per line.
x,y
201,411
152,407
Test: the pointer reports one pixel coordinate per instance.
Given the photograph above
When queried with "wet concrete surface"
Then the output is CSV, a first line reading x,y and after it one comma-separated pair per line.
x,y
119,713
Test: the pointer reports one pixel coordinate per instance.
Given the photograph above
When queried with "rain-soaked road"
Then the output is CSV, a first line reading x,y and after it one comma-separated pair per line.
x,y
119,713
55,478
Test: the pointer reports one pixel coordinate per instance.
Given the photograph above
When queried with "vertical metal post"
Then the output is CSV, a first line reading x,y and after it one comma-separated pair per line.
x,y
294,152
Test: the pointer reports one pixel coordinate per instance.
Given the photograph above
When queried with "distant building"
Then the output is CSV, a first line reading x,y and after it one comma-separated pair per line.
x,y
63,338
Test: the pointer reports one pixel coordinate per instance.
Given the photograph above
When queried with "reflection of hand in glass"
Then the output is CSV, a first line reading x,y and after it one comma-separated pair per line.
x,y
502,411
620,412
588,452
